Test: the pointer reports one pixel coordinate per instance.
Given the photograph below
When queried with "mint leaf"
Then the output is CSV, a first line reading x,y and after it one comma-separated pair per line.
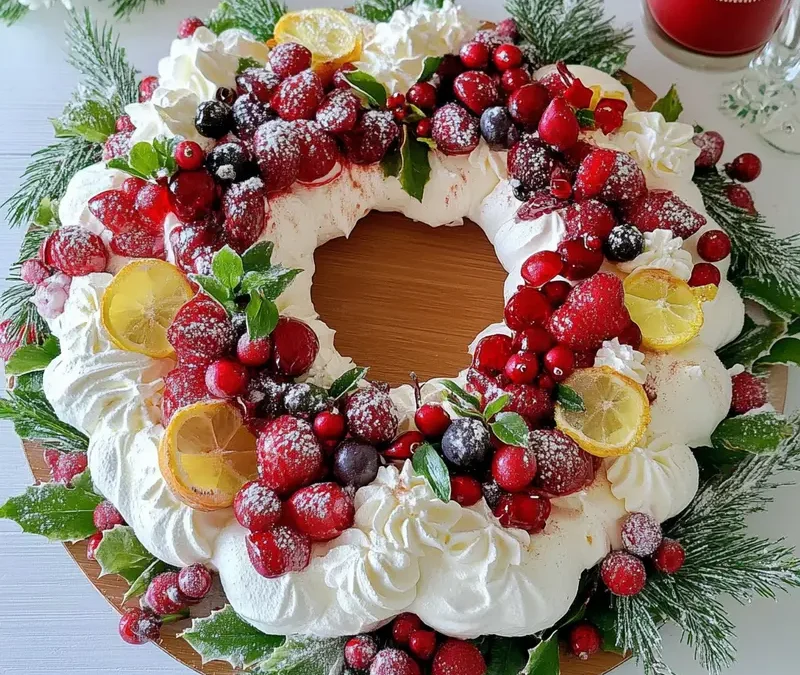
x,y
784,352
33,358
45,213
429,68
122,164
144,159
165,149
511,429
466,399
344,384
257,258
55,511
303,655
139,585
214,288
427,462
543,659
496,406
569,399
507,656
228,267
368,87
271,283
467,412
756,433
261,315
585,118
246,63
225,636
669,106
391,164
120,552
768,294
415,166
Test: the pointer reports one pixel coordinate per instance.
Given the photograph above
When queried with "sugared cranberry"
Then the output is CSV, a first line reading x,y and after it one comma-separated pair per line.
x,y
91,545
289,455
535,339
194,581
492,354
579,262
189,155
522,368
584,640
147,86
507,56
556,292
475,55
360,652
33,272
124,124
528,103
226,379
294,347
527,512
321,511
704,274
711,146
513,468
163,595
188,26
257,507
371,415
403,626
558,125
455,131
75,251
432,420
330,426
527,307
714,246
623,574
393,662
641,534
541,267
106,516
68,467
138,626
456,657
740,196
279,551
559,362
192,194
563,467
465,490
422,644
514,79
299,96
372,137
289,58
669,557
422,95
745,168
748,393
201,331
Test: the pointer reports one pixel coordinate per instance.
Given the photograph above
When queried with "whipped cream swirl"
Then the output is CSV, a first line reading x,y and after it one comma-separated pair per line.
x,y
622,358
663,251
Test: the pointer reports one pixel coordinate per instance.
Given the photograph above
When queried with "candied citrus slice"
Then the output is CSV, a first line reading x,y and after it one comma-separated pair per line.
x,y
705,293
666,309
330,35
616,412
207,454
140,303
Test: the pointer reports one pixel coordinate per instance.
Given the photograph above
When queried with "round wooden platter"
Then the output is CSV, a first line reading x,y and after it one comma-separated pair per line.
x,y
403,297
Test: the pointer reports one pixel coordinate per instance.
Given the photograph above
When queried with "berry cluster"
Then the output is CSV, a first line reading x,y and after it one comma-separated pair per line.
x,y
404,644
624,572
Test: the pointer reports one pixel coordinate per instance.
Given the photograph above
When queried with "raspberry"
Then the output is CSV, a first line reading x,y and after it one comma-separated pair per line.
x,y
533,403
257,507
669,557
455,131
163,595
711,146
182,387
558,126
360,652
147,87
68,467
372,137
192,194
115,209
563,467
117,145
371,415
339,79
33,272
589,218
476,90
527,307
278,552
465,490
321,511
749,393
492,354
298,96
75,251
294,347
138,626
584,640
91,545
402,627
623,574
186,239
289,58
513,468
289,455
201,332
245,208
522,368
188,26
532,163
194,582
51,295
422,644
641,534
318,150
393,662
338,113
664,210
456,657
528,103
276,146
432,420
106,516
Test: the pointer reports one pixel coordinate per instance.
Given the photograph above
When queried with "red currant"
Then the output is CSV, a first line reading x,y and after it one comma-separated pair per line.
x,y
432,420
584,640
560,362
91,545
425,127
623,574
475,55
138,626
704,274
492,353
714,246
194,581
226,379
522,368
395,101
541,267
465,490
669,557
403,448
513,468
422,95
507,56
330,426
189,155
745,168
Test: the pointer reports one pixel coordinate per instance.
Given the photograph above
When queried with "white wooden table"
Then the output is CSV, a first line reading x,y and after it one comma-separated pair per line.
x,y
51,619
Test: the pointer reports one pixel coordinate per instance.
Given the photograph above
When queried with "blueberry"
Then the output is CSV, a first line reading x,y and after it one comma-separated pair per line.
x,y
305,400
229,163
225,95
496,127
624,243
466,443
355,464
214,119
521,192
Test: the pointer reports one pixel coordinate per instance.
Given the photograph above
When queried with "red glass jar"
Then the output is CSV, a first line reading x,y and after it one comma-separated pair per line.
x,y
718,27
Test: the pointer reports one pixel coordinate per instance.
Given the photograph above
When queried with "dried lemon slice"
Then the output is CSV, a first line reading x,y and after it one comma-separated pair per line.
x,y
615,416
140,303
667,310
330,35
207,454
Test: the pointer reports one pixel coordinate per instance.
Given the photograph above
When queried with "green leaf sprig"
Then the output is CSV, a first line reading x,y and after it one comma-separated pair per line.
x,y
91,120
569,399
149,160
33,358
428,462
371,91
346,383
754,433
669,105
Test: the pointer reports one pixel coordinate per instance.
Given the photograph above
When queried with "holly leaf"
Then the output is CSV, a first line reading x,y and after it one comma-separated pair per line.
x,y
605,619
270,283
215,289
366,85
569,399
225,636
768,294
33,358
507,656
415,115
784,352
304,655
262,316
755,341
669,106
391,164
465,398
120,552
543,659
258,257
344,384
511,429
415,166
139,584
496,406
56,511
228,267
757,433
429,68
428,463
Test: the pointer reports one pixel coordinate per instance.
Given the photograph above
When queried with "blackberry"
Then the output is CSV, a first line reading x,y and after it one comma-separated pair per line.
x,y
214,119
624,243
467,443
230,163
249,114
355,464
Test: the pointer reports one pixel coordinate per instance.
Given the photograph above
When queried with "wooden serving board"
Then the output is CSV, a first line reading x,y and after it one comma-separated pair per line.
x,y
403,297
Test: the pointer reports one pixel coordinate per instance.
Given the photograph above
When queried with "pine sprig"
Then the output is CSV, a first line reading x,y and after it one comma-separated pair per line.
x,y
124,9
12,11
573,31
34,419
258,17
756,250
379,10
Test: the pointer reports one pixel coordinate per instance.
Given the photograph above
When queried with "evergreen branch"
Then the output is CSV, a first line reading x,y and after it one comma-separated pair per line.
x,y
258,17
34,419
756,250
11,11
379,11
124,9
573,31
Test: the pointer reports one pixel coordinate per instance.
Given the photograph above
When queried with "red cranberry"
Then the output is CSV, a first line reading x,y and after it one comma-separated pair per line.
x,y
541,267
294,347
560,362
711,146
579,261
188,26
403,626
476,90
641,534
193,194
563,467
194,581
623,574
299,96
514,79
321,511
522,368
527,512
330,426
546,382
714,246
507,56
226,379
528,103
527,307
70,465
189,155
513,468
535,339
704,274
75,251
163,595
289,455
492,354
404,447
745,168
584,640
465,490
749,393
424,128
253,353
279,551
669,557
257,507
556,292
422,644
360,652
475,55
422,95
393,662
147,86
740,196
106,516
432,420
91,545
289,58
138,626
558,125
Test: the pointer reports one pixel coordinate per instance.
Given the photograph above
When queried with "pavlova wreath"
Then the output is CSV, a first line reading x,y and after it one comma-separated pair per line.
x,y
586,479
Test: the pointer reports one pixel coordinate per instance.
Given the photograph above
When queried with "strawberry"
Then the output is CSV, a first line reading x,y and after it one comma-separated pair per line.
x,y
245,208
371,138
664,210
593,312
590,217
318,150
612,176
